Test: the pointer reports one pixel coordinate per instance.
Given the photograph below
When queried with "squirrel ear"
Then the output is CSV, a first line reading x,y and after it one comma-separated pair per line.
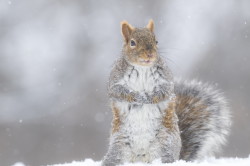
x,y
126,30
150,25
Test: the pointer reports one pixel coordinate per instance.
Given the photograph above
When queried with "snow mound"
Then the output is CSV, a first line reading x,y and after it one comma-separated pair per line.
x,y
207,162
19,164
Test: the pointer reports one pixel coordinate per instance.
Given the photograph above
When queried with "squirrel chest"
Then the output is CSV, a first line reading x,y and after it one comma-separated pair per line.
x,y
141,79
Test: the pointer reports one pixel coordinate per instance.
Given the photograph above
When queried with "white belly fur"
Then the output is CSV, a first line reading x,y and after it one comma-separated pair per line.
x,y
142,123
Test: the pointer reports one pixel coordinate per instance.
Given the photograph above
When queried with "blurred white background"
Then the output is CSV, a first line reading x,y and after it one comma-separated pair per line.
x,y
56,55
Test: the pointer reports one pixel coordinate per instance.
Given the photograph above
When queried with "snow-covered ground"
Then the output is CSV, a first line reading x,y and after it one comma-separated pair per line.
x,y
207,162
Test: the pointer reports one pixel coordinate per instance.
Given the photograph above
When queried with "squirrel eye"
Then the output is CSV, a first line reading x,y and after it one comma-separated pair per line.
x,y
156,42
132,43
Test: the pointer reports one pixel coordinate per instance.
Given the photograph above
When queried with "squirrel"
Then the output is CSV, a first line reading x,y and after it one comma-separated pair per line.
x,y
156,116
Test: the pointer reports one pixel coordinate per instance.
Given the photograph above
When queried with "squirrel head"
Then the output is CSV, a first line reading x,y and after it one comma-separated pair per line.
x,y
140,45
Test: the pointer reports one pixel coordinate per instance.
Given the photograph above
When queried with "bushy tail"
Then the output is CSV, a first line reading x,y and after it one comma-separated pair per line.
x,y
204,119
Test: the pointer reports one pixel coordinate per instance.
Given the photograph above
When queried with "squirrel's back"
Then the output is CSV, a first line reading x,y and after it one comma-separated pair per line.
x,y
204,119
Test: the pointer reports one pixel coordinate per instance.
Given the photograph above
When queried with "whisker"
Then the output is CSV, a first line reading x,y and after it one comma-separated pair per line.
x,y
176,49
168,59
173,48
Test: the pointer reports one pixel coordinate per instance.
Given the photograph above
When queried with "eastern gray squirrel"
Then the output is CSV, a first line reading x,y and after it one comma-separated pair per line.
x,y
156,116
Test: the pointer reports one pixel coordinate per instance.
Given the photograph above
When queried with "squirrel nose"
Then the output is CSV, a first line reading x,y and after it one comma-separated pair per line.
x,y
149,47
150,55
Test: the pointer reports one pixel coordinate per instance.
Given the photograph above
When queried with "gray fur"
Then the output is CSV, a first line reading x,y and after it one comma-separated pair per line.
x,y
116,91
203,136
159,141
156,117
200,138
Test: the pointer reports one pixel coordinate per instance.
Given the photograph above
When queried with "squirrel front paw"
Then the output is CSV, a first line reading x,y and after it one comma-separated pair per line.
x,y
130,98
134,97
154,99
